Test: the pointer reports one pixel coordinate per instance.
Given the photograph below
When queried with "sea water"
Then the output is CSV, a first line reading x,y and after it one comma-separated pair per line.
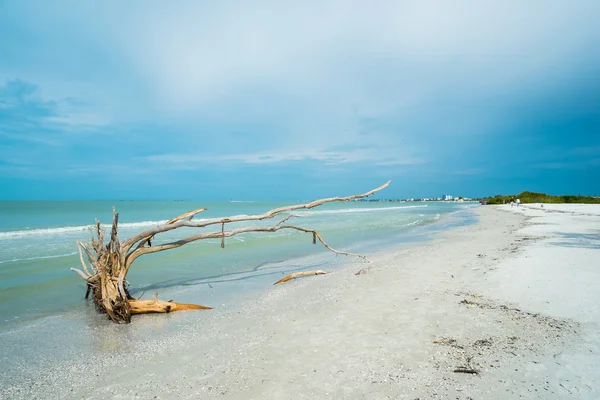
x,y
38,244
44,319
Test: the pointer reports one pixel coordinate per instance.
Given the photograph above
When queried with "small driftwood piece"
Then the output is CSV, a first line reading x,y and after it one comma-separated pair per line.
x,y
108,263
364,270
444,341
466,371
297,274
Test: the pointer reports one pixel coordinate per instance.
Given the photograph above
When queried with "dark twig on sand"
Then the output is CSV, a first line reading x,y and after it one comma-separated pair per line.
x,y
466,371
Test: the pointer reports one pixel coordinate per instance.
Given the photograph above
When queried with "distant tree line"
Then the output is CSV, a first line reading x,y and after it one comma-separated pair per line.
x,y
532,197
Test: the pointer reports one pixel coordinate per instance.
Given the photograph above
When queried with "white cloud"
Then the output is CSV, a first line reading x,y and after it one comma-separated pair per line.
x,y
309,71
198,55
374,156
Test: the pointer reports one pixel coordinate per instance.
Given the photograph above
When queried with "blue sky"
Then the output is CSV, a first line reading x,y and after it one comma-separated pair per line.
x,y
281,100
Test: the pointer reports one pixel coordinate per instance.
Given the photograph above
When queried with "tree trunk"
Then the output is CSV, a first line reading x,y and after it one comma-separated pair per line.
x,y
109,263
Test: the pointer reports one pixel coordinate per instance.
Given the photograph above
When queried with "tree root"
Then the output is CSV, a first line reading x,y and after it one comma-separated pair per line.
x,y
159,306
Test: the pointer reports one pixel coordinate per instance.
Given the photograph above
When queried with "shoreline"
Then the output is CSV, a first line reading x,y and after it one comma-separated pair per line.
x,y
372,335
43,270
181,289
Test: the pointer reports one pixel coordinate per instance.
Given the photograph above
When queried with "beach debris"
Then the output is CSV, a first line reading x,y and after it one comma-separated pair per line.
x,y
298,274
469,303
364,270
107,264
466,371
445,341
472,304
158,306
483,342
467,368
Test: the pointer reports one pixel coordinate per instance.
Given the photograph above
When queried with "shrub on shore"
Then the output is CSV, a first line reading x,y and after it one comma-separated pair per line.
x,y
533,197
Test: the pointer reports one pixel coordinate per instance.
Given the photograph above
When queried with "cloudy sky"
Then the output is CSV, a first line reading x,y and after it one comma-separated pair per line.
x,y
296,100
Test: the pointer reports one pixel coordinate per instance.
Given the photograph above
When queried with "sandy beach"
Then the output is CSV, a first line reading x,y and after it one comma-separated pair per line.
x,y
164,164
505,308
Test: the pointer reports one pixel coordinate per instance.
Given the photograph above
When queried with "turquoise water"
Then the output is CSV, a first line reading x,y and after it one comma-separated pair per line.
x,y
37,246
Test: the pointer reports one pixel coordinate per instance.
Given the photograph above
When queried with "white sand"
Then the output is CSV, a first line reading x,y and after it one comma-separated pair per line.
x,y
518,292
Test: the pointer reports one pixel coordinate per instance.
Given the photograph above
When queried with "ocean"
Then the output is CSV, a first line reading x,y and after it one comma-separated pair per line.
x,y
38,245
44,319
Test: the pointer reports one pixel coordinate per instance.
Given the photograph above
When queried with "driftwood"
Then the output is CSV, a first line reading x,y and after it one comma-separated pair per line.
x,y
297,274
157,306
108,264
466,371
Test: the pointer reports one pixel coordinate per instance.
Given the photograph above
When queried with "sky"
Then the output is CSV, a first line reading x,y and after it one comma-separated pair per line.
x,y
282,100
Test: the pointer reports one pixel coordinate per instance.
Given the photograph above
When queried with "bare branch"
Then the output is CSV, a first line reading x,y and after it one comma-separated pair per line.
x,y
126,245
114,232
223,235
79,244
158,306
98,242
220,234
90,256
190,214
297,274
80,273
285,219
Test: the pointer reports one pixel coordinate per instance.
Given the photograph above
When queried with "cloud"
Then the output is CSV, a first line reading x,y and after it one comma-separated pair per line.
x,y
593,162
19,99
319,69
358,88
192,161
26,116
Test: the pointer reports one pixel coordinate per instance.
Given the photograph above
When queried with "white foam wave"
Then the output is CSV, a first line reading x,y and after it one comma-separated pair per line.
x,y
65,230
356,210
73,229
38,258
417,222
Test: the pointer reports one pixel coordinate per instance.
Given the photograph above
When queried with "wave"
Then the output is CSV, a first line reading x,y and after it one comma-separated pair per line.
x,y
147,224
38,258
73,229
354,210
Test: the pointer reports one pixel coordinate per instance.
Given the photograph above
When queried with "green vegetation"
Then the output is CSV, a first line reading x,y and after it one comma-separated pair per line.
x,y
532,197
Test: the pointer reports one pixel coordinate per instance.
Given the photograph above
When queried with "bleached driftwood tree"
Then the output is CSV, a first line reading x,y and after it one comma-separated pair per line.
x,y
109,263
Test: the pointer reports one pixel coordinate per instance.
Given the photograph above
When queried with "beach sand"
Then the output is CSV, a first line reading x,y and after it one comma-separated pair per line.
x,y
514,297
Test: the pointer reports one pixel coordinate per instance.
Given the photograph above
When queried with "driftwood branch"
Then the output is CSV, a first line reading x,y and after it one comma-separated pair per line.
x,y
219,234
81,273
244,218
112,261
85,269
158,306
298,274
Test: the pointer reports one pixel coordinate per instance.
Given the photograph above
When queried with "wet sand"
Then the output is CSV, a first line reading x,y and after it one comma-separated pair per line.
x,y
505,308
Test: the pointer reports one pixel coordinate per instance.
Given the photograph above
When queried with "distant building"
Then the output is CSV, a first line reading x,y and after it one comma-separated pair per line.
x,y
447,197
